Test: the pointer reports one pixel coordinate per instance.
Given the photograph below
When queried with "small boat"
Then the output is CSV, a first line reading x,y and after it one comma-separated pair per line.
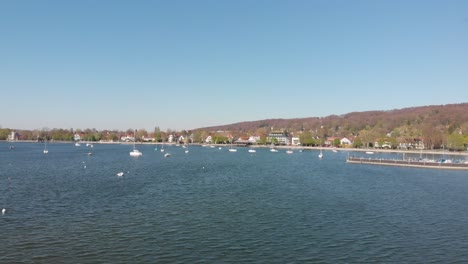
x,y
272,148
45,151
120,174
252,150
167,155
231,149
135,152
77,144
320,155
370,152
289,151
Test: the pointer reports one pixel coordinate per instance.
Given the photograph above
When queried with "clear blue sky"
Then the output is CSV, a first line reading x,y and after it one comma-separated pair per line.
x,y
187,64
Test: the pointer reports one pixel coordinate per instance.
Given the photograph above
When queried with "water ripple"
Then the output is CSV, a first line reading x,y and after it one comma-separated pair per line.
x,y
213,207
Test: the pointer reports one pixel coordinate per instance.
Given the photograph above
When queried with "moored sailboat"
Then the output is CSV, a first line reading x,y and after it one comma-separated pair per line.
x,y
45,151
135,152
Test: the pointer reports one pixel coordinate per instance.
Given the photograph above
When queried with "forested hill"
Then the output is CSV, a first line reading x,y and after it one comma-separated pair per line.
x,y
408,122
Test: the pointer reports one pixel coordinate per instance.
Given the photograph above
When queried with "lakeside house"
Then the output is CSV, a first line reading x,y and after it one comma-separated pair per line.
x,y
416,143
127,138
330,141
243,141
345,141
281,137
295,141
13,136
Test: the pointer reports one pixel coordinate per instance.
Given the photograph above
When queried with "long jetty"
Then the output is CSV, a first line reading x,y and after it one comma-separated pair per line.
x,y
409,163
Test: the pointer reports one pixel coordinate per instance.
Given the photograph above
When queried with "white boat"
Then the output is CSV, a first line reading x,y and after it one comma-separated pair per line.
x,y
45,151
231,149
77,144
252,150
135,152
167,154
320,155
272,148
289,151
370,152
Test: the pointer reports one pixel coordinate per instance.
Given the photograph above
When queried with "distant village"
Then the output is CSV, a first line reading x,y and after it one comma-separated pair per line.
x,y
438,127
274,137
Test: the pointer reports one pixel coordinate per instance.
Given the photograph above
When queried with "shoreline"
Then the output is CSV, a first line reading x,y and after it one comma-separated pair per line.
x,y
376,151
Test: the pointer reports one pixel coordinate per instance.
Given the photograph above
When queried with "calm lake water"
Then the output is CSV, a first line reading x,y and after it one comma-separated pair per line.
x,y
214,206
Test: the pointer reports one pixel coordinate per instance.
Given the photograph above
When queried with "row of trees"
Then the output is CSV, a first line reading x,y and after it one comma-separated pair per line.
x,y
438,127
450,137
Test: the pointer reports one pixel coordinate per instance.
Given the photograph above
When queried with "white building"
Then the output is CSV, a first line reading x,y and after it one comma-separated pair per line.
x,y
12,136
295,141
281,137
254,139
345,141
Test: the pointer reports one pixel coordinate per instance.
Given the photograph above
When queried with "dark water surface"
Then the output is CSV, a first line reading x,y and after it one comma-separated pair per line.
x,y
214,206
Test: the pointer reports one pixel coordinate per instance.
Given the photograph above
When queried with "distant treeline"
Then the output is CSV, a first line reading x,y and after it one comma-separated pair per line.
x,y
441,126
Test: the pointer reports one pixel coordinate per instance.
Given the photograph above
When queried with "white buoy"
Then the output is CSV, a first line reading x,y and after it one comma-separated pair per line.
x,y
120,174
3,211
